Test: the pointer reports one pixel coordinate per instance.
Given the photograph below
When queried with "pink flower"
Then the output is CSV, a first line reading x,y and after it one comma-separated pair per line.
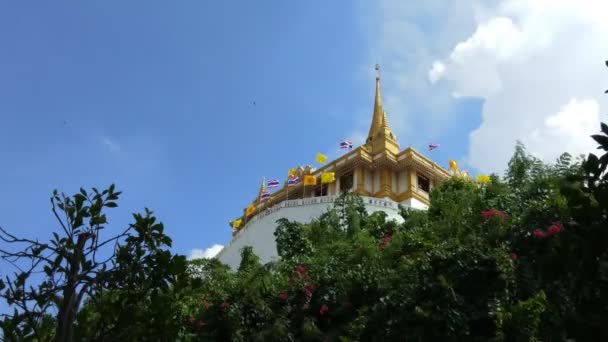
x,y
283,295
224,306
493,213
539,234
552,230
555,228
300,269
386,240
307,293
514,256
323,309
201,323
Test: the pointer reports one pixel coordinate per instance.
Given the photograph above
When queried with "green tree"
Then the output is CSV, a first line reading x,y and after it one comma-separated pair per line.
x,y
129,270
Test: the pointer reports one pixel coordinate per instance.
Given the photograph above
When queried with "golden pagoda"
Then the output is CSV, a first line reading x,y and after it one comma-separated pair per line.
x,y
374,170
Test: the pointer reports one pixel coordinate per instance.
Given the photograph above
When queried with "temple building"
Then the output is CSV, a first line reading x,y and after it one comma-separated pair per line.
x,y
382,174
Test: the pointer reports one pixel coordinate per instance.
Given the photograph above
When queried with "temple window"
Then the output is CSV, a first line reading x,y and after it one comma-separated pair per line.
x,y
424,184
346,182
322,191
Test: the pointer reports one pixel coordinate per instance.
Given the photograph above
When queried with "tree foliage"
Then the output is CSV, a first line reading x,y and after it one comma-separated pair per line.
x,y
125,280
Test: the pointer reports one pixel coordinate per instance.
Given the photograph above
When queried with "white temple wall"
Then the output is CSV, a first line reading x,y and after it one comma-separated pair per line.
x,y
259,233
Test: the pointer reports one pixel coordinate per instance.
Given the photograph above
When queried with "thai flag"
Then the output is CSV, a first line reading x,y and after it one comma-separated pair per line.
x,y
273,183
264,196
293,181
345,144
433,146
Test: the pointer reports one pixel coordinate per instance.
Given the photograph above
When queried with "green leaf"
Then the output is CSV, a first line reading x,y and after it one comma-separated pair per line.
x,y
84,193
111,205
591,165
604,127
602,140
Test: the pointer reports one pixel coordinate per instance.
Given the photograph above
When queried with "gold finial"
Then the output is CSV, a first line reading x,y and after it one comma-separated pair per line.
x,y
378,111
380,136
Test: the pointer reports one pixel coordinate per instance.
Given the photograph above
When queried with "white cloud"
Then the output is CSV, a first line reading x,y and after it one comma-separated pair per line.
x,y
207,253
568,130
436,71
539,67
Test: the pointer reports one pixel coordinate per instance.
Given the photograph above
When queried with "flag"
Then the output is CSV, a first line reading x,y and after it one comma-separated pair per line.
x,y
433,146
292,173
483,179
236,224
345,144
453,165
321,159
328,177
293,181
310,180
273,183
264,196
250,210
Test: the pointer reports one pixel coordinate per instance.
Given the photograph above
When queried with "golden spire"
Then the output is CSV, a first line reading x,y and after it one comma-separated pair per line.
x,y
262,190
377,119
380,137
263,187
384,121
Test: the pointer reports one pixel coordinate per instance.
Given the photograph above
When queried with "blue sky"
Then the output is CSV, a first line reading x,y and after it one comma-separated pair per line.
x,y
157,97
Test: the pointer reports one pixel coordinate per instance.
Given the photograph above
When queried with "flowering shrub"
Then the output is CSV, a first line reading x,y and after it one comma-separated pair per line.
x,y
493,213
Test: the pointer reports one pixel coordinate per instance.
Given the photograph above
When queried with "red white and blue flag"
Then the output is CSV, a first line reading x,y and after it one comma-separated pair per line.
x,y
433,146
264,196
345,144
273,183
293,181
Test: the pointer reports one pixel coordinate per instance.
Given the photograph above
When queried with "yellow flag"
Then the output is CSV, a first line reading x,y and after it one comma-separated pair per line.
x,y
250,210
321,158
310,180
292,173
236,223
453,165
483,179
328,177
